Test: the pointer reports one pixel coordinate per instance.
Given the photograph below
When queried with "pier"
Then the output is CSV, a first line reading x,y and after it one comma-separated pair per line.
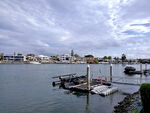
x,y
103,86
84,83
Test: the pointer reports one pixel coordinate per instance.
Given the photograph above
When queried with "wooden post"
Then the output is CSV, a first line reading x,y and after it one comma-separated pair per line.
x,y
111,73
145,66
87,103
105,78
141,68
88,77
88,97
141,71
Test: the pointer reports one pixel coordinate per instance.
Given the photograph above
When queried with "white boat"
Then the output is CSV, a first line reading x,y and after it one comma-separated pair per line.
x,y
34,62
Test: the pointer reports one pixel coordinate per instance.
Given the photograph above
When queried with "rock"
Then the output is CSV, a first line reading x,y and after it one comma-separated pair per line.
x,y
129,103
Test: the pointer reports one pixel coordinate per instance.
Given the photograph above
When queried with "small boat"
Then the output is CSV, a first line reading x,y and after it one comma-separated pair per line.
x,y
99,79
34,62
147,72
129,68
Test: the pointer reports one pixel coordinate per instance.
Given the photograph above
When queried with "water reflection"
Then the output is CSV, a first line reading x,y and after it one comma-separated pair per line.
x,y
87,108
78,95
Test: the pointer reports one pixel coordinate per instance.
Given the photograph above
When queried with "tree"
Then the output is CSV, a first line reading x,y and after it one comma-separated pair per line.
x,y
123,58
109,57
1,56
96,60
72,53
105,57
19,54
89,56
76,55
139,60
116,58
31,54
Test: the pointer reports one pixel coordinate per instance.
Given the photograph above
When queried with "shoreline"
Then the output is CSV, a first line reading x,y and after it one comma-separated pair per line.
x,y
27,62
129,104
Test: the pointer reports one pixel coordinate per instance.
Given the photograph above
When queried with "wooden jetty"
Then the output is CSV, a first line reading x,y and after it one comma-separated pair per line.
x,y
126,83
60,76
128,80
85,84
99,86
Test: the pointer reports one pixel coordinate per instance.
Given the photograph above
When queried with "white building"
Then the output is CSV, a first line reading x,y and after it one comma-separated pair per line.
x,y
43,58
13,58
65,58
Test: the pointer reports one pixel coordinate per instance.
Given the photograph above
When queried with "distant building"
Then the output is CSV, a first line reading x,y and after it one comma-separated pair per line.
x,y
145,60
81,60
43,59
89,59
31,58
13,58
65,58
100,59
25,58
72,53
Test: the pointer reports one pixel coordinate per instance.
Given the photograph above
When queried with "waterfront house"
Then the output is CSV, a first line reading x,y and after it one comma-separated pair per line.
x,y
89,59
13,58
31,58
81,60
43,59
145,60
65,58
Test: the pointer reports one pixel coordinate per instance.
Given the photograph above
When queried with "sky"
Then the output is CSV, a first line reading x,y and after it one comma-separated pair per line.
x,y
54,27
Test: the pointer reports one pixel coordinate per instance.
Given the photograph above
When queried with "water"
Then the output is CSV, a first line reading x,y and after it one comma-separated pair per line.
x,y
27,89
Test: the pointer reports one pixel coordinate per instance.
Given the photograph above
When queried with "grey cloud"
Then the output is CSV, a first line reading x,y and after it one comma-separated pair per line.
x,y
56,26
137,10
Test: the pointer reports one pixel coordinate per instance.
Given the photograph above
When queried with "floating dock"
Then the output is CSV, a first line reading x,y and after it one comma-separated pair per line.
x,y
85,84
104,90
100,86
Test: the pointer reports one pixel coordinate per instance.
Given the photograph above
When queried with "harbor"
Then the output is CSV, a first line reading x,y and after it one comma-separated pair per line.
x,y
74,56
31,85
102,86
86,83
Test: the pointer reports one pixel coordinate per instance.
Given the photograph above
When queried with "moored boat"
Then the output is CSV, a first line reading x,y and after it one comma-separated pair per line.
x,y
34,62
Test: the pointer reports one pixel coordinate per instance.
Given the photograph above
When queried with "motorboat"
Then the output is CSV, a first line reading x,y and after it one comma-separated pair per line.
x,y
34,62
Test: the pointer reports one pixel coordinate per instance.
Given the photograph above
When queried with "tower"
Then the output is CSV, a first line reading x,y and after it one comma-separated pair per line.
x,y
72,52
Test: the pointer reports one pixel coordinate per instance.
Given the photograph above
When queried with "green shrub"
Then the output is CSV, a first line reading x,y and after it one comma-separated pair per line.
x,y
145,97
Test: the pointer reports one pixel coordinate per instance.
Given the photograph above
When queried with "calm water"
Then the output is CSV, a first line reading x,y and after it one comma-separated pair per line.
x,y
27,89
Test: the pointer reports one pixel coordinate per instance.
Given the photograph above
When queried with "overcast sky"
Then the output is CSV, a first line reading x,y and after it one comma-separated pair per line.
x,y
98,27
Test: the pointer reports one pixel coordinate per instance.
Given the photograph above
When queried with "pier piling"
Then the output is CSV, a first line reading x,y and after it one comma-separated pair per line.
x,y
111,72
141,68
88,77
146,66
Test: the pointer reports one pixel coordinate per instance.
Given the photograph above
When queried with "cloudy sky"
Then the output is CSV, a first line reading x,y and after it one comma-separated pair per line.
x,y
99,27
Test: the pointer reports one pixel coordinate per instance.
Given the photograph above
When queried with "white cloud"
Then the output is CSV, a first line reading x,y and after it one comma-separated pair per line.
x,y
42,44
85,25
63,38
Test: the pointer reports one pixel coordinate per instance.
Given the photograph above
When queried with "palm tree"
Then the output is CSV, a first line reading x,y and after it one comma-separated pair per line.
x,y
123,58
1,56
